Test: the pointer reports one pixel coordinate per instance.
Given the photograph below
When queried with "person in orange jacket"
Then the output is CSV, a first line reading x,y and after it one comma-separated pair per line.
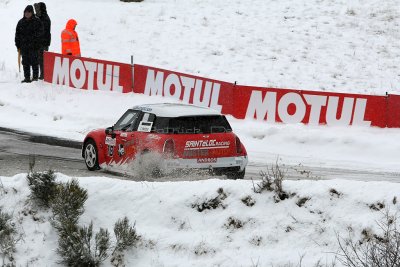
x,y
70,40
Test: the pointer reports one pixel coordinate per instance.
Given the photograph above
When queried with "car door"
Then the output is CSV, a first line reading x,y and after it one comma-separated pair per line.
x,y
125,143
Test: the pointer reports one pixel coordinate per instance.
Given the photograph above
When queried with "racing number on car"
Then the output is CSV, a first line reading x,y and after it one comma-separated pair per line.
x,y
110,142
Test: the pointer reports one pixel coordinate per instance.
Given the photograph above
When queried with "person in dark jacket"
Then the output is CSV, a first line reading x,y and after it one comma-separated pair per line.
x,y
41,13
27,40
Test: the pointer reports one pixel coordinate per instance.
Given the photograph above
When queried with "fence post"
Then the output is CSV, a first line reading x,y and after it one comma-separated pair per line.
x,y
133,73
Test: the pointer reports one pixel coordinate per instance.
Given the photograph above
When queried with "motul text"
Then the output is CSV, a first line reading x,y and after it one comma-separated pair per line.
x,y
205,93
267,108
80,72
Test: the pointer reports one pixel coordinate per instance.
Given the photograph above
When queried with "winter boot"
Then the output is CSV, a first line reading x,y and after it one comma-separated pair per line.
x,y
27,74
35,72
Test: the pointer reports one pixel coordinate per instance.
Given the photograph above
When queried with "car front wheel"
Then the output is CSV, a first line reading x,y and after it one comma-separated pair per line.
x,y
91,156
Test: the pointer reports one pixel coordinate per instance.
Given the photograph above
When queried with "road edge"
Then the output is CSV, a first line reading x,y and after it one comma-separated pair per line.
x,y
44,139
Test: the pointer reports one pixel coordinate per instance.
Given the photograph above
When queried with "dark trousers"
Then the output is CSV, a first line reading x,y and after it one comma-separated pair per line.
x,y
30,58
40,56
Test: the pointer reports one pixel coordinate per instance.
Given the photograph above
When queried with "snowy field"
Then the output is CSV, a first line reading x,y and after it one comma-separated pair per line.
x,y
176,234
333,45
343,46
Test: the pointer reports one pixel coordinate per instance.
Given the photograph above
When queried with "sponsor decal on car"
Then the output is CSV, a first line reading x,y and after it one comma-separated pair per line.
x,y
145,126
121,150
207,160
195,153
110,151
206,144
110,141
143,108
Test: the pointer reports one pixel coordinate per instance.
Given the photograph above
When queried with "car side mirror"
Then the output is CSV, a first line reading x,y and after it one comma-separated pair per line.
x,y
110,131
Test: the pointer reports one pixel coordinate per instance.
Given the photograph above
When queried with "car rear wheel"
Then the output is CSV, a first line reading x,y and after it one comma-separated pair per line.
x,y
91,156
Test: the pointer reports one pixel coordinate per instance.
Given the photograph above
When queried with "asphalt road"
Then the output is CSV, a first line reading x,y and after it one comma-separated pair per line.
x,y
18,149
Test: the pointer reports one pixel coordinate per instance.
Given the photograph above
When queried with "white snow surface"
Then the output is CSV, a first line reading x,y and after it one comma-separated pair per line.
x,y
172,231
333,45
342,46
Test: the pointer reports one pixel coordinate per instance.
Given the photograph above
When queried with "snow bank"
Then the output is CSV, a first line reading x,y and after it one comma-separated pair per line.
x,y
172,231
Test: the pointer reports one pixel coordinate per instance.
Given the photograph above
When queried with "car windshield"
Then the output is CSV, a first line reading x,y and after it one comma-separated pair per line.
x,y
192,125
127,122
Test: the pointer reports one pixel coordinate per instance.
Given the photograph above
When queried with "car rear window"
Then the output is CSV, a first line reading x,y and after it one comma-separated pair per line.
x,y
192,125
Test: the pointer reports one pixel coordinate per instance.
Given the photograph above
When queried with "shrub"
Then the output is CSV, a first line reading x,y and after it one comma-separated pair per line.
x,y
42,186
213,203
301,201
77,248
377,206
256,240
374,250
7,238
334,192
126,238
248,201
68,205
272,181
234,223
203,249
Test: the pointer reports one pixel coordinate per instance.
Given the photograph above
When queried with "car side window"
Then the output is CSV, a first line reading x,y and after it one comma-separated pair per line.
x,y
146,124
128,121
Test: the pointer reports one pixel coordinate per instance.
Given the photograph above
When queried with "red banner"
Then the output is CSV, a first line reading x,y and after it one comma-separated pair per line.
x,y
188,88
266,104
242,102
309,107
87,73
393,111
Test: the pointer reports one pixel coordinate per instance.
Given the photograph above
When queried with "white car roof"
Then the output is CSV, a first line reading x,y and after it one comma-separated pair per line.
x,y
176,110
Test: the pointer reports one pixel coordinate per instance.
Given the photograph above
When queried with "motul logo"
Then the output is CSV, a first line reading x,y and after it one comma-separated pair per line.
x,y
78,73
352,110
190,90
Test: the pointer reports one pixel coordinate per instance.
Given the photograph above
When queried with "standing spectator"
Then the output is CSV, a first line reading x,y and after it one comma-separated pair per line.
x,y
27,40
41,13
70,40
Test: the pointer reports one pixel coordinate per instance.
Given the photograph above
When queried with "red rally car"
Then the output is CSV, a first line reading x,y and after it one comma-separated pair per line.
x,y
186,137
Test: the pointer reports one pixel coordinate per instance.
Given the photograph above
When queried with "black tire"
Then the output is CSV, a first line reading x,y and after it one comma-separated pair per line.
x,y
236,175
91,156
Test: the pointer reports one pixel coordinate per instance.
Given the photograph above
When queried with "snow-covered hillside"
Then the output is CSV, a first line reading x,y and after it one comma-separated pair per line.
x,y
234,234
333,45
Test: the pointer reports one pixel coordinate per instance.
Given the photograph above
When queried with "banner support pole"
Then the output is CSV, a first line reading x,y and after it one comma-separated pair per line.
x,y
133,72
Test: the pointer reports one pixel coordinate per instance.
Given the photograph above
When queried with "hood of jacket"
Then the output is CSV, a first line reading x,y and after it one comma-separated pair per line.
x,y
71,24
29,8
37,9
43,7
40,9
